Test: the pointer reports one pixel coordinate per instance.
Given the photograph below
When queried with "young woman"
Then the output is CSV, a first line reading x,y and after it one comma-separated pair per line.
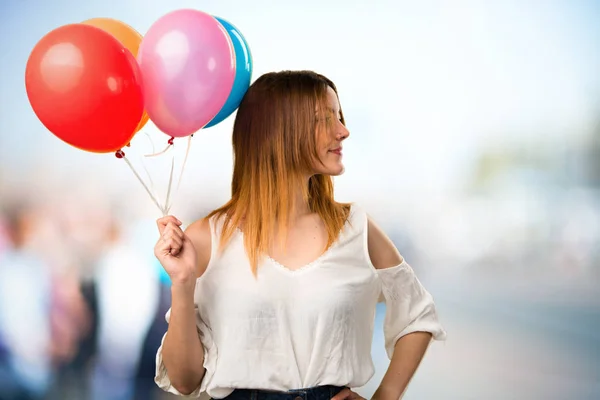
x,y
274,293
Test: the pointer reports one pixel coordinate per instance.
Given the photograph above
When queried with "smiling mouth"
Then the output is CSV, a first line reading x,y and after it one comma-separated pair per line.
x,y
336,151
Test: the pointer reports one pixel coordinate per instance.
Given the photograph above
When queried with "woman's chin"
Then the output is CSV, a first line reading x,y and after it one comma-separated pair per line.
x,y
330,170
338,170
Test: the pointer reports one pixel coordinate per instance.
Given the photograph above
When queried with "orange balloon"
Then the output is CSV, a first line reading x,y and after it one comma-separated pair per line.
x,y
129,37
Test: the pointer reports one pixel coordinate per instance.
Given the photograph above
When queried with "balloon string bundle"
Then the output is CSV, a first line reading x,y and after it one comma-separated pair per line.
x,y
170,184
121,154
164,209
148,172
187,152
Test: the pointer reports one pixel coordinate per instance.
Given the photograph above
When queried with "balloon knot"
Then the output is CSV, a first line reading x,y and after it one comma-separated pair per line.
x,y
171,141
129,144
120,154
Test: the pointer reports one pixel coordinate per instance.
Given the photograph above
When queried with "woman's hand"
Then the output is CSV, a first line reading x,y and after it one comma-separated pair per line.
x,y
175,251
347,394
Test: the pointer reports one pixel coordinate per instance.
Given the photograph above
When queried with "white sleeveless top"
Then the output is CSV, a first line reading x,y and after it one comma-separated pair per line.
x,y
297,329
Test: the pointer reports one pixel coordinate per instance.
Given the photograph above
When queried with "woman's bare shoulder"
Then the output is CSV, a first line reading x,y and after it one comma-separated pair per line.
x,y
199,233
382,251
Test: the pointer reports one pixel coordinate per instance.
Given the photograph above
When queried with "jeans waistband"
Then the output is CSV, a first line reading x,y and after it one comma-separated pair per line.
x,y
315,393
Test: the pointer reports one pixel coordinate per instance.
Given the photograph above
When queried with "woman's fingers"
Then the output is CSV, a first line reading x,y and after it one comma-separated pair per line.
x,y
171,230
163,222
344,394
171,246
347,394
172,237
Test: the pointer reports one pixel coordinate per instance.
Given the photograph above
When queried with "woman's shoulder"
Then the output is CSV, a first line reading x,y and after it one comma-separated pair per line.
x,y
383,253
200,234
199,229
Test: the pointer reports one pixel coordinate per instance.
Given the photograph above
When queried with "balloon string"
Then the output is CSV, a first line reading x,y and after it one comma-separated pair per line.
x,y
120,154
159,153
187,152
167,208
152,187
169,145
151,141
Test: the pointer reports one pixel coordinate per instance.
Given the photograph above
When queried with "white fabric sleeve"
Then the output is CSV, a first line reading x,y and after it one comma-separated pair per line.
x,y
409,306
210,359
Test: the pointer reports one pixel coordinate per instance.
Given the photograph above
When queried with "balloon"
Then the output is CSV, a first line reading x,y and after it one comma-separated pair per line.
x,y
188,68
129,37
85,87
243,73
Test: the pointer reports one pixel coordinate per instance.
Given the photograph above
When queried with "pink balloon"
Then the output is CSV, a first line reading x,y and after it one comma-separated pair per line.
x,y
188,69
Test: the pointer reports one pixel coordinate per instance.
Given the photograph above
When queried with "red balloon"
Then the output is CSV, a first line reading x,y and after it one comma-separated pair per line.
x,y
85,87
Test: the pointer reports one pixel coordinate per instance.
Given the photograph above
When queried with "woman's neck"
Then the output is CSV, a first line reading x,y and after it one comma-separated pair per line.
x,y
301,205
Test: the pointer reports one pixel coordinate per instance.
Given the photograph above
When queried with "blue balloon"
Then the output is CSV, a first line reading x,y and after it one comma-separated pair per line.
x,y
243,73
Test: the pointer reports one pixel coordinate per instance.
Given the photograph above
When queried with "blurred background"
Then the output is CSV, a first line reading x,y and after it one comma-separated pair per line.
x,y
475,143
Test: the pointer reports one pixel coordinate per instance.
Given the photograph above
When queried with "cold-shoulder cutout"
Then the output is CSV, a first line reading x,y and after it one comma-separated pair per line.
x,y
409,306
382,251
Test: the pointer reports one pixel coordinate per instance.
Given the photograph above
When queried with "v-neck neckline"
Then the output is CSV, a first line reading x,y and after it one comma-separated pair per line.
x,y
303,268
312,264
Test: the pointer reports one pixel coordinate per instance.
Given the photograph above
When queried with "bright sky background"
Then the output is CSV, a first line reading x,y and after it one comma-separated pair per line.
x,y
424,84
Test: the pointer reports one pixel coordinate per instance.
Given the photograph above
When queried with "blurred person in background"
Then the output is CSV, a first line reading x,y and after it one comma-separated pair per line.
x,y
25,306
72,240
127,286
4,236
274,294
145,388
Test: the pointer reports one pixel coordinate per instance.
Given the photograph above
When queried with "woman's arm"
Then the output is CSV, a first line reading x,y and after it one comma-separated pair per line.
x,y
410,349
408,353
182,353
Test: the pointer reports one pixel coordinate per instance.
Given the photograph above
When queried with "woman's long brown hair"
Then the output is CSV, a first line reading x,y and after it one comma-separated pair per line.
x,y
275,150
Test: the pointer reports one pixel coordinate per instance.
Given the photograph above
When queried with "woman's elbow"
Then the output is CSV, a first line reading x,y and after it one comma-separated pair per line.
x,y
186,387
184,390
187,381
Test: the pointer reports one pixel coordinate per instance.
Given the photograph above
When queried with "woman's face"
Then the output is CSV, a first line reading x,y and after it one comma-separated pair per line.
x,y
330,135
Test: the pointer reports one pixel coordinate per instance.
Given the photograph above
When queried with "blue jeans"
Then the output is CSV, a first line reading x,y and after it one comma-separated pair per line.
x,y
316,393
